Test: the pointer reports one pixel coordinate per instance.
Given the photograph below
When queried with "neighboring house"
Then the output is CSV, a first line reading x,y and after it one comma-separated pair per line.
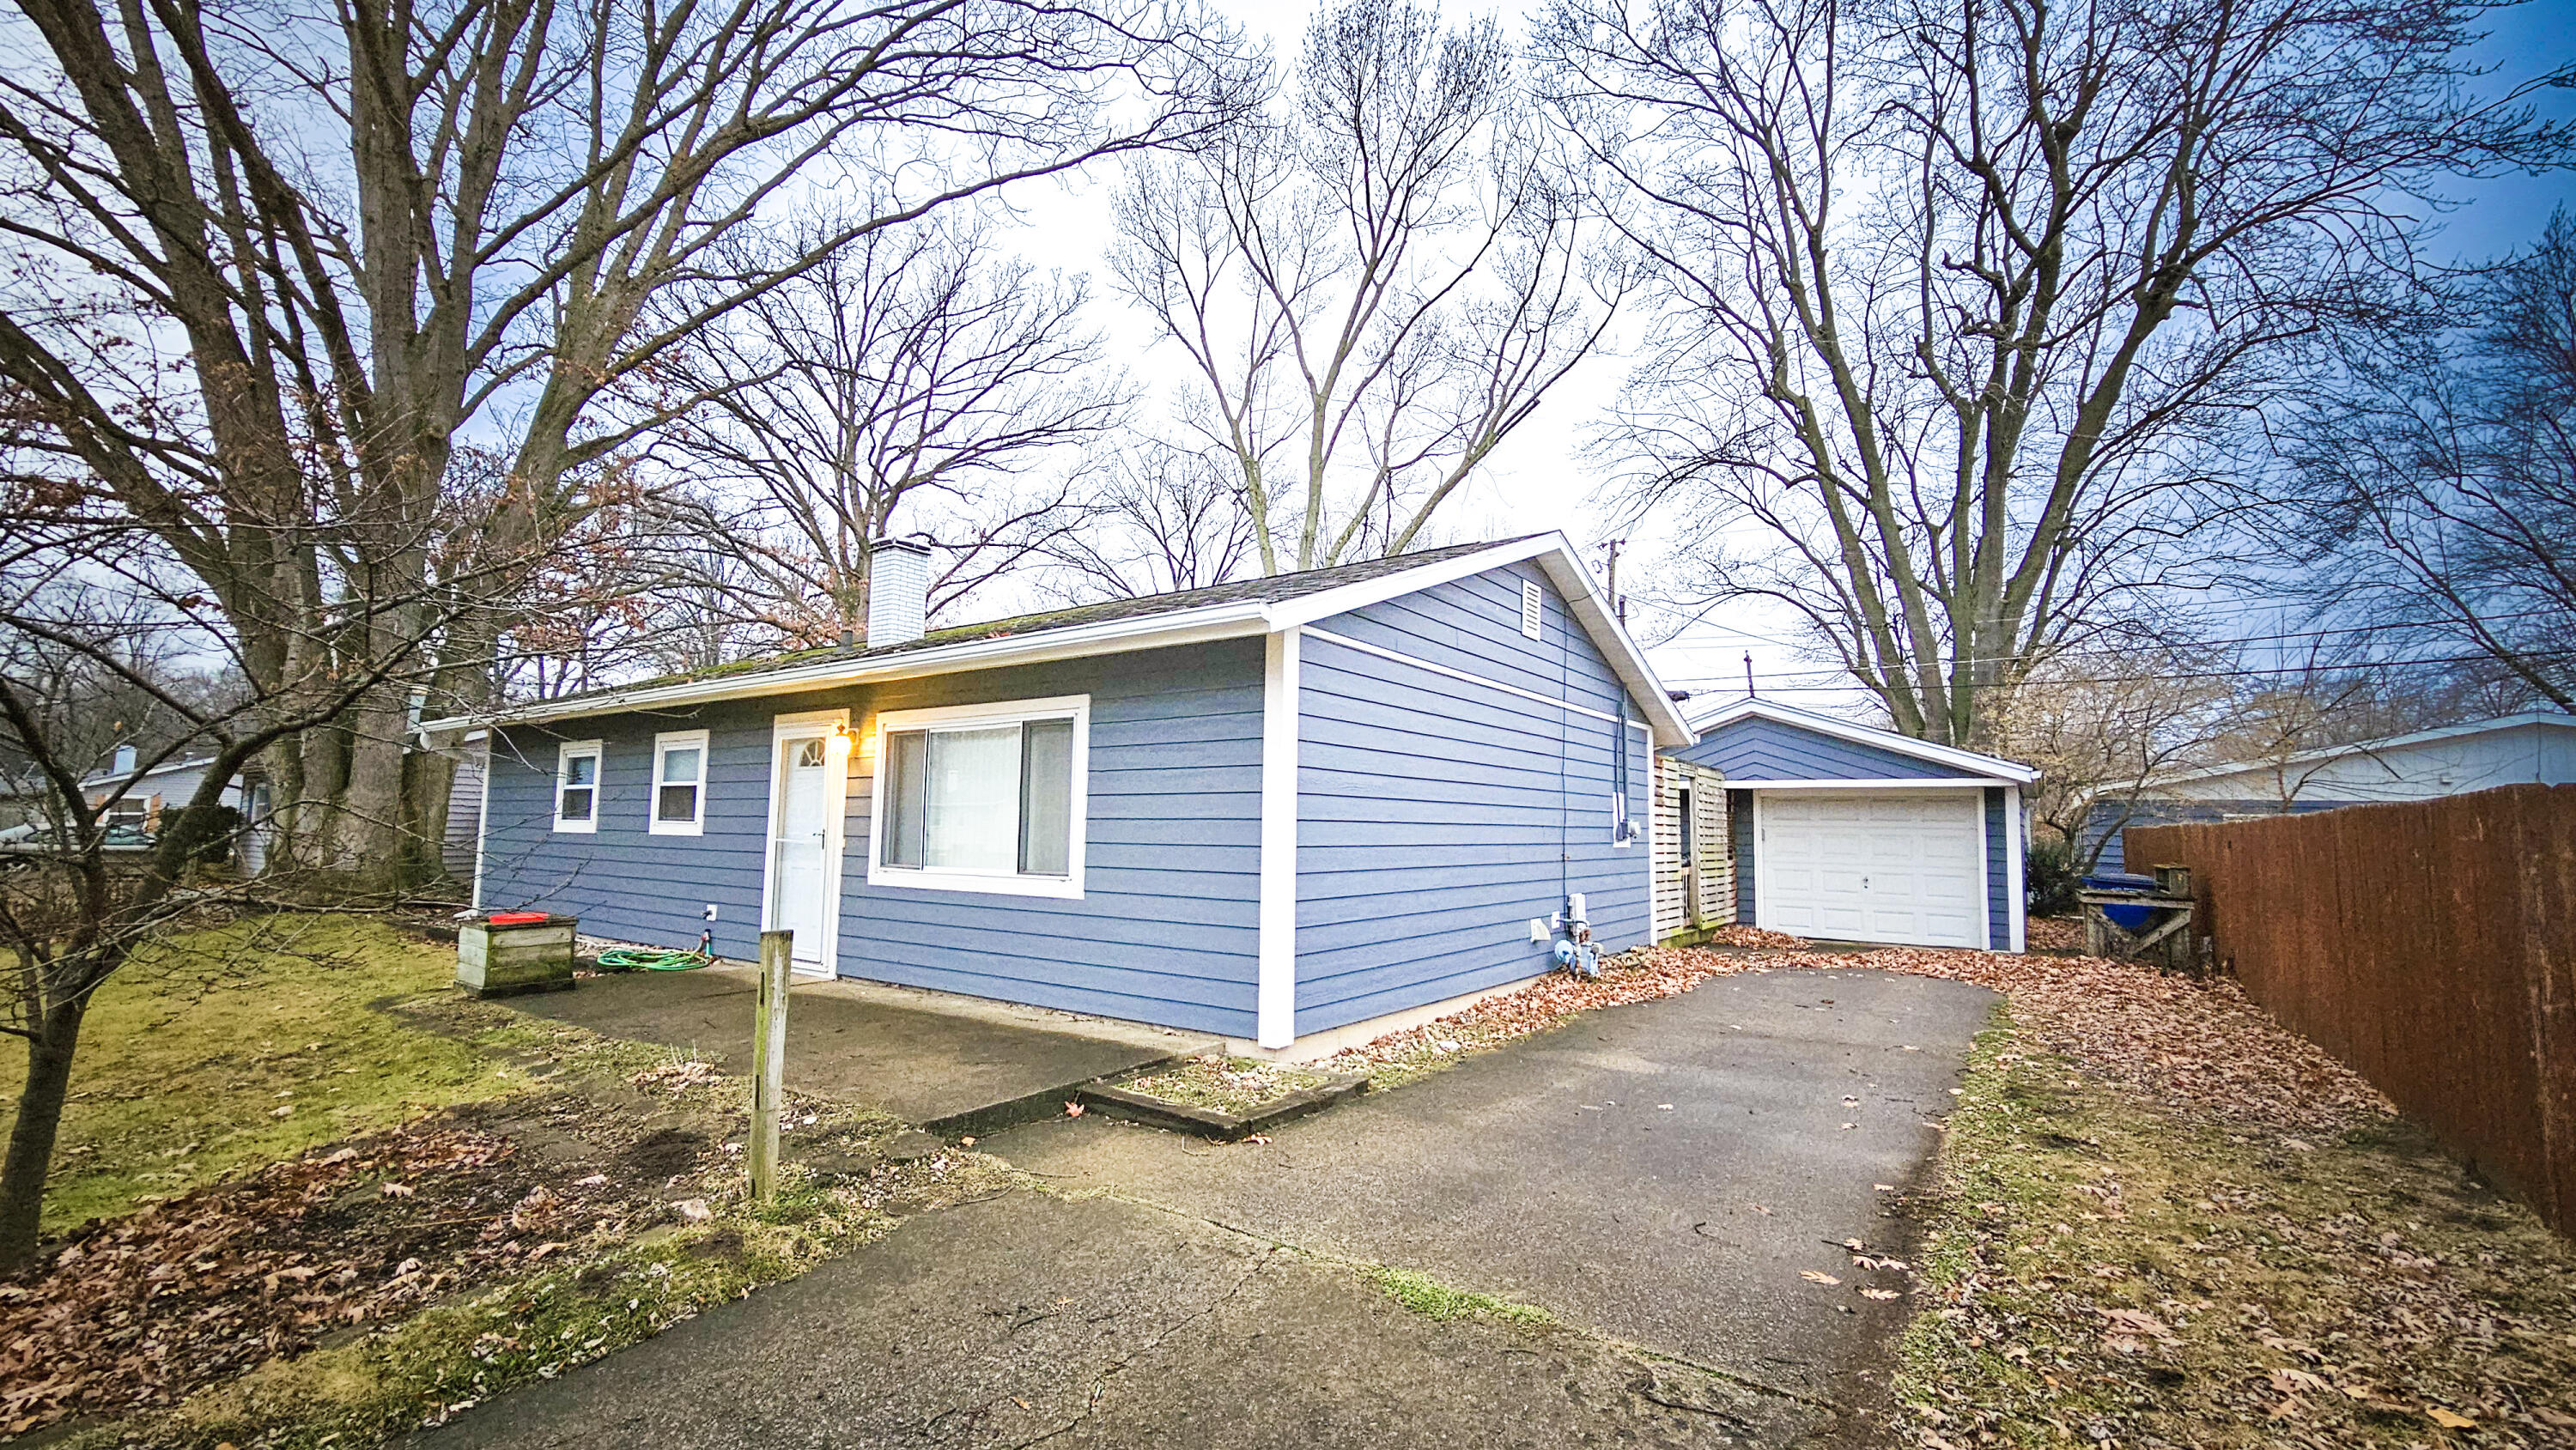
x,y
1287,811
456,850
2538,747
1849,833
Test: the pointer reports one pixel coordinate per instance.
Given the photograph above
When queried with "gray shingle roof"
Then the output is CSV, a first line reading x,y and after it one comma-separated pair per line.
x,y
1269,590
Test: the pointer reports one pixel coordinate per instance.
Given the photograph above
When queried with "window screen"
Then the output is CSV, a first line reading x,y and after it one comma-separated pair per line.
x,y
989,799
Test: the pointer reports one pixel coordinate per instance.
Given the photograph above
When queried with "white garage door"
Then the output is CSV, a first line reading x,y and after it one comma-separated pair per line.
x,y
1892,866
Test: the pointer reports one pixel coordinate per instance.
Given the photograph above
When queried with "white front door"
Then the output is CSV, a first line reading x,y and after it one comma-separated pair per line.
x,y
804,841
1891,866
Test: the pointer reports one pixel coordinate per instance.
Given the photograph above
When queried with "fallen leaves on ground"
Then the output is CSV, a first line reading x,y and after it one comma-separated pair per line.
x,y
1733,935
140,1310
2112,1266
2186,1041
2054,933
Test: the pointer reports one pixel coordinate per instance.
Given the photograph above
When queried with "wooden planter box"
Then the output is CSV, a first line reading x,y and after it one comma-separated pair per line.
x,y
498,961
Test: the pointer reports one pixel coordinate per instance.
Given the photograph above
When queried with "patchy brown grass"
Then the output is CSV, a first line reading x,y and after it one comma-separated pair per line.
x,y
2107,1266
585,1193
1238,1085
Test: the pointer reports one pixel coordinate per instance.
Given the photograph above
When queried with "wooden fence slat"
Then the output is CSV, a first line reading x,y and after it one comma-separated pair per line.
x,y
2430,945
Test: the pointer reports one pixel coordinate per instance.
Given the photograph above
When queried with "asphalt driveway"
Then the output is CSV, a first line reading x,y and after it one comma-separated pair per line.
x,y
1664,1173
1659,1177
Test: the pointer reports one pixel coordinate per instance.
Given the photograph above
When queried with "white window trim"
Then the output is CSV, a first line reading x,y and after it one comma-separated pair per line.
x,y
663,744
566,753
1067,887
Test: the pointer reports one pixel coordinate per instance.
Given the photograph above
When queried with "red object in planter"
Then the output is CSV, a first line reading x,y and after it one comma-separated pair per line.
x,y
515,918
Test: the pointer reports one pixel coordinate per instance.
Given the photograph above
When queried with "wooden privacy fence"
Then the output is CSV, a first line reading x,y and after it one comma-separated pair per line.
x,y
2430,945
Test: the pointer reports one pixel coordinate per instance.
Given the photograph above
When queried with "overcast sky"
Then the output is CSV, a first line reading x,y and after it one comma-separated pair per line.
x,y
1541,479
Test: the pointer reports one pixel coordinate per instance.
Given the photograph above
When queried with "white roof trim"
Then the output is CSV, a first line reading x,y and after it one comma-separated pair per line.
x,y
2009,772
1234,619
2496,726
1911,782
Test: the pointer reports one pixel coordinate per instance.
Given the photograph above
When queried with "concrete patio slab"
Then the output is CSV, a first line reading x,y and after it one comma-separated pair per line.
x,y
950,1065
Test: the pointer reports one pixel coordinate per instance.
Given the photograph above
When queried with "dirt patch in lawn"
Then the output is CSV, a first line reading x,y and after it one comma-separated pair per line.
x,y
2107,1265
136,1313
374,1210
1236,1085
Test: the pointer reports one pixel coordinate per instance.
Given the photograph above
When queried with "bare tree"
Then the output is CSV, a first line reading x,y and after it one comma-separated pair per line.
x,y
270,265
2441,478
915,381
2100,726
94,617
1953,294
1159,519
1374,283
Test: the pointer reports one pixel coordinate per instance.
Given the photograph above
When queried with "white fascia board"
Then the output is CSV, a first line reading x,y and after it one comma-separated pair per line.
x,y
1193,626
1910,782
2006,772
1325,603
1664,719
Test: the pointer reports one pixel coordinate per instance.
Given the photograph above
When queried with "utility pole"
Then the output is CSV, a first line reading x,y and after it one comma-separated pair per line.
x,y
1748,674
1618,606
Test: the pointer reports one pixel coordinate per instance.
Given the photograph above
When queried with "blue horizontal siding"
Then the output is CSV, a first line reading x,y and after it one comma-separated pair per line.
x,y
1167,928
1758,749
1436,816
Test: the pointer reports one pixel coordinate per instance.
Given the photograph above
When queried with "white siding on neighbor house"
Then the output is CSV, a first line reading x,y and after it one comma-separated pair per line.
x,y
2534,752
1439,814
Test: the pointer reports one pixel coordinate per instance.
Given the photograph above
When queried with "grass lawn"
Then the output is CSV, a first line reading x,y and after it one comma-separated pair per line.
x,y
338,1199
241,1046
2104,1267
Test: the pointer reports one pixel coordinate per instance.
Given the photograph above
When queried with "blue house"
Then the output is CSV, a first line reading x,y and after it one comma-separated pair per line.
x,y
1288,811
1849,833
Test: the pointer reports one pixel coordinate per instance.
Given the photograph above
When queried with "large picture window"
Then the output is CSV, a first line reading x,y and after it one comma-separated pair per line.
x,y
577,786
982,797
679,782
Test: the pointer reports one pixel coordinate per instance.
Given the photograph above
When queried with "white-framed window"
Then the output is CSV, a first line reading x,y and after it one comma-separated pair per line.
x,y
679,783
577,786
982,797
1532,610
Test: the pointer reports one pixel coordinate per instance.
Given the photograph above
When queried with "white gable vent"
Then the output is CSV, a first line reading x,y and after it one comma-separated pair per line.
x,y
1529,607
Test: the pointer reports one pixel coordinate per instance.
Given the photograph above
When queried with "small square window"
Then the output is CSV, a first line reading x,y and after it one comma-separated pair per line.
x,y
679,783
577,786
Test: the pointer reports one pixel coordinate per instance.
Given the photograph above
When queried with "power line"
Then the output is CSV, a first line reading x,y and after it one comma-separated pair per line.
x,y
2215,673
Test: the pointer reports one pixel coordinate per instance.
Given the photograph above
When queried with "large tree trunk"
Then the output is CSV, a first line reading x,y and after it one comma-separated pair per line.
x,y
31,1138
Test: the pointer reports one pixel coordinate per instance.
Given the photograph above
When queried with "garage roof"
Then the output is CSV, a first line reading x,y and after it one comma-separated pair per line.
x,y
1758,742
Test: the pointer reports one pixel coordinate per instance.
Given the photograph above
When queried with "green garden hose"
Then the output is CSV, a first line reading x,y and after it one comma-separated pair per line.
x,y
652,959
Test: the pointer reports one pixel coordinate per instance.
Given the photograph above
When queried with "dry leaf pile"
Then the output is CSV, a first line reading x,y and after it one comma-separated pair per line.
x,y
137,1312
1640,975
1736,935
2054,934
2191,1043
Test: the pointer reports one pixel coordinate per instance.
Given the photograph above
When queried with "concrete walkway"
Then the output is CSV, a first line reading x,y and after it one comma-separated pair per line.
x,y
1172,1292
949,1064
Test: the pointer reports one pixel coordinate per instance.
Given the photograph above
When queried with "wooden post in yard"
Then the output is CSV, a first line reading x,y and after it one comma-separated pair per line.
x,y
769,1059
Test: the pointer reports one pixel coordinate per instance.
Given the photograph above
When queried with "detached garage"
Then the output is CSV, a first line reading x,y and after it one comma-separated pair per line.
x,y
1848,833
